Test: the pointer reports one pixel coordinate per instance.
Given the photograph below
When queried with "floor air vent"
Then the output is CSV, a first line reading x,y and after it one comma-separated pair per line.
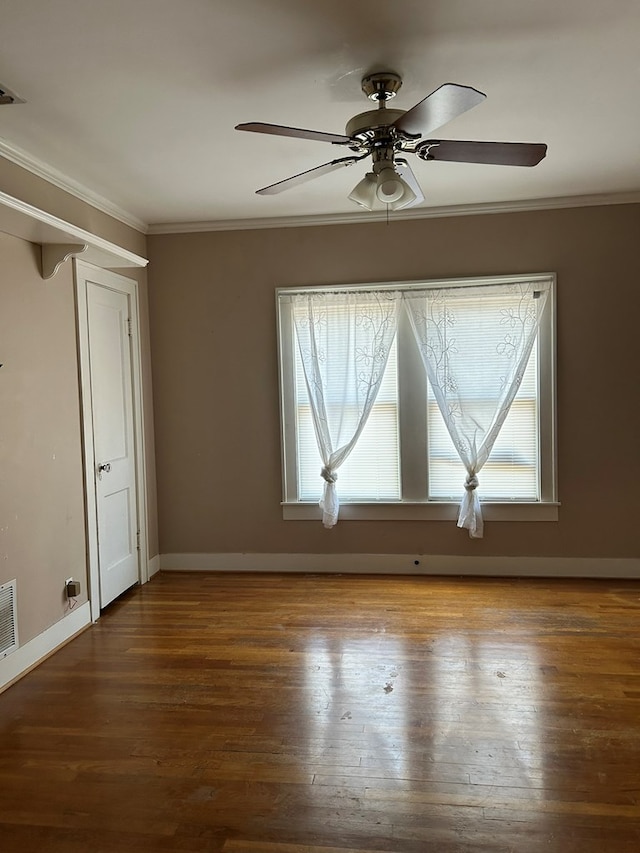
x,y
8,624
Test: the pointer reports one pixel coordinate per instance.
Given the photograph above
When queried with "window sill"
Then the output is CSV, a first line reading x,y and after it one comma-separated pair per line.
x,y
435,511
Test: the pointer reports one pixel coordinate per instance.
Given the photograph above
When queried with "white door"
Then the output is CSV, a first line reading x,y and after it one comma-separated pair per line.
x,y
109,314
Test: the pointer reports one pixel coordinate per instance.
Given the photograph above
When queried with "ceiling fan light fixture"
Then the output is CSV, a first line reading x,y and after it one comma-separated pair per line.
x,y
386,187
390,186
364,192
408,198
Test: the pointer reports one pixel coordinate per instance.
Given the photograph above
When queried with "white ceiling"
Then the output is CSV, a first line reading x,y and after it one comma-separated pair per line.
x,y
136,100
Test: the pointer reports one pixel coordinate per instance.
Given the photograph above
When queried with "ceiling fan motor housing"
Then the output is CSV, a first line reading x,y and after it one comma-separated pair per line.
x,y
373,120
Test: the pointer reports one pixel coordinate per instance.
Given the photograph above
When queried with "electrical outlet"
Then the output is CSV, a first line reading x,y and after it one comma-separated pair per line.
x,y
72,588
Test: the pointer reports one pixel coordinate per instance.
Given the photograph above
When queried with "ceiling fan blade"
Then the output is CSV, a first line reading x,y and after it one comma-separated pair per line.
x,y
495,153
443,105
297,132
406,173
309,175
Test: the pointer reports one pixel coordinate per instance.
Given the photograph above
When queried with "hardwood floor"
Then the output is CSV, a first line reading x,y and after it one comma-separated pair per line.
x,y
333,714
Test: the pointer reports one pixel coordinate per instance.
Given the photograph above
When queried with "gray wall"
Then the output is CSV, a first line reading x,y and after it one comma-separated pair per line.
x,y
42,525
213,331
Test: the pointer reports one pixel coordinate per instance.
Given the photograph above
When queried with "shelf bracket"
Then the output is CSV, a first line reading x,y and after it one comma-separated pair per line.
x,y
54,254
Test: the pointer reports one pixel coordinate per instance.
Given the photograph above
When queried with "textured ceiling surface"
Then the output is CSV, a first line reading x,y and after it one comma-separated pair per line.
x,y
137,100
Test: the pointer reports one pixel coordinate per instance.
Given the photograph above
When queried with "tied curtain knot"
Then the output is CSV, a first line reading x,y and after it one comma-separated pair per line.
x,y
328,475
471,483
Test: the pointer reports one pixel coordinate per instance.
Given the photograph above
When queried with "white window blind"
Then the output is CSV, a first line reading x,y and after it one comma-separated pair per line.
x,y
372,471
405,455
512,471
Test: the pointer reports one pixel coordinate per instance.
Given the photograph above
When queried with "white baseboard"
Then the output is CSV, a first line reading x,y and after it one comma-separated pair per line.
x,y
154,565
405,564
26,657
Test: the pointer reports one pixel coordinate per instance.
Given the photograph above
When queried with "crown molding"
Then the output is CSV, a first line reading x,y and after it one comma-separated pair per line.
x,y
360,217
357,217
64,182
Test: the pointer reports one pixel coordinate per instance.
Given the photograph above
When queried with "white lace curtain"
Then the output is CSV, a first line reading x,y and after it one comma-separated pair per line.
x,y
344,341
475,343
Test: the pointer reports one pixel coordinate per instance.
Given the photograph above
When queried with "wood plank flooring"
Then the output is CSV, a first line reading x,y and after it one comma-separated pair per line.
x,y
333,714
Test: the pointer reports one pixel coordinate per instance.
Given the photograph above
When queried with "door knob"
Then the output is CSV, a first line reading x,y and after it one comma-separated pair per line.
x,y
104,468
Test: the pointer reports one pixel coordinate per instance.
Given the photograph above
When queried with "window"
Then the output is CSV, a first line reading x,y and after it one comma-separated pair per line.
x,y
404,463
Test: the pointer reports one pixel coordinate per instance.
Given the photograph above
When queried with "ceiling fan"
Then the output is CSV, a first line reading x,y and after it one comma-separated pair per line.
x,y
386,135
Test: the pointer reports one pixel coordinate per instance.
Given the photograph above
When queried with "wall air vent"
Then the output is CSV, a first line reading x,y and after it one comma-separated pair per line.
x,y
8,619
8,97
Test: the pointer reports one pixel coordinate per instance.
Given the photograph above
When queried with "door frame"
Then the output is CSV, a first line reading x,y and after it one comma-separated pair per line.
x,y
83,273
